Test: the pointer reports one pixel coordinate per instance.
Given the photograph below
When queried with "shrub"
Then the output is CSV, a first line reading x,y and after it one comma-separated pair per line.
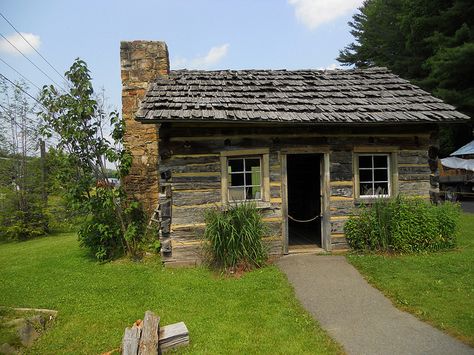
x,y
21,217
404,225
103,235
234,237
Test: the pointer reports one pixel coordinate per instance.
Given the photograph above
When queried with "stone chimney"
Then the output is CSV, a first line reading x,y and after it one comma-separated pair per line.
x,y
141,62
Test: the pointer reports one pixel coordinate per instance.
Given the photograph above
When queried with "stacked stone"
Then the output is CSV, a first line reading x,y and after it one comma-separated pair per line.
x,y
141,63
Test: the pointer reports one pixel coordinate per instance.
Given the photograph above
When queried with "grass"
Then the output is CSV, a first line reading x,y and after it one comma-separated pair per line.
x,y
256,313
438,288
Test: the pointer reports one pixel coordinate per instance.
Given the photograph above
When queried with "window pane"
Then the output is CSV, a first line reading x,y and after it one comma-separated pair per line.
x,y
381,175
365,175
237,179
236,165
365,161
366,189
252,178
380,161
253,193
381,188
252,164
236,194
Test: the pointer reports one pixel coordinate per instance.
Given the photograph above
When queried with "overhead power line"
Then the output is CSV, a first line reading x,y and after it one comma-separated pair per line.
x,y
8,113
28,59
22,90
16,71
61,75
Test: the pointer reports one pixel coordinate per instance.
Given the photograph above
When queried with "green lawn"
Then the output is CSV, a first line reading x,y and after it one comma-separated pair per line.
x,y
438,288
256,313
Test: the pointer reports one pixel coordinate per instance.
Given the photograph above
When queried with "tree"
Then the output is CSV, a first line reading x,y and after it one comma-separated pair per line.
x,y
21,210
114,224
429,42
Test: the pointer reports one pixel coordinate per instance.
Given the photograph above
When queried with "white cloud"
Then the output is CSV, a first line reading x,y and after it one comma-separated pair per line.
x,y
20,43
313,13
332,66
214,56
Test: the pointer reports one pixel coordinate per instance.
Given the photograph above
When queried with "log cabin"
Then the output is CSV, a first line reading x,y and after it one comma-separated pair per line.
x,y
306,146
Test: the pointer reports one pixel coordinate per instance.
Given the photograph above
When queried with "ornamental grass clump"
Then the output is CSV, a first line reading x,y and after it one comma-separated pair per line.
x,y
403,225
233,237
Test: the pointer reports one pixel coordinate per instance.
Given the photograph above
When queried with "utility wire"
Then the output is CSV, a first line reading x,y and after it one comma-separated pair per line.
x,y
62,76
16,71
28,59
23,90
8,113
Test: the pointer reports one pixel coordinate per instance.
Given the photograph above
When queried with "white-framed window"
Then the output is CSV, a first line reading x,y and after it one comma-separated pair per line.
x,y
245,176
373,175
244,180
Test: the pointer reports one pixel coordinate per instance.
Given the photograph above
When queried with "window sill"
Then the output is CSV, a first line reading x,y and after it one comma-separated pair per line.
x,y
368,200
260,205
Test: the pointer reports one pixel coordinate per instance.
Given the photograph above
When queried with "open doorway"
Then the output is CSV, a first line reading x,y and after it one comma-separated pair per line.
x,y
304,200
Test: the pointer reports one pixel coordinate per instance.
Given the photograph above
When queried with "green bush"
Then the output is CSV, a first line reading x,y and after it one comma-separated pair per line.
x,y
21,217
101,233
403,225
234,237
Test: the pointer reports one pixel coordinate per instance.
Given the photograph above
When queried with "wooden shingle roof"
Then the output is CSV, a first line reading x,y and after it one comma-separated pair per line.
x,y
372,95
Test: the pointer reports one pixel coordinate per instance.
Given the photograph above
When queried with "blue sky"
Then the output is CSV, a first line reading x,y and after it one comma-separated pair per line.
x,y
204,34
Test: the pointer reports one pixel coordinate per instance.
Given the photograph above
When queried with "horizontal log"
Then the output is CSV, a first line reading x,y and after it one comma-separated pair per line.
x,y
414,188
212,167
196,179
222,130
341,191
189,184
414,177
274,247
403,170
275,191
197,197
337,226
341,208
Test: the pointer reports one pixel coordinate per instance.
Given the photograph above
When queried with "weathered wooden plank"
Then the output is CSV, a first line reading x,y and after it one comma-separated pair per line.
x,y
150,334
191,167
190,184
341,191
173,335
340,166
131,340
413,177
337,226
191,197
341,208
414,188
274,247
403,170
223,131
195,179
275,191
165,209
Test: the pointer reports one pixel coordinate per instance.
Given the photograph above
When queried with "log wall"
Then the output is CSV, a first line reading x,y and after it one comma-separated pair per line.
x,y
190,171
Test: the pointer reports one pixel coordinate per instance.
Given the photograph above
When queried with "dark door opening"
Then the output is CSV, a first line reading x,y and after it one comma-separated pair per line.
x,y
304,199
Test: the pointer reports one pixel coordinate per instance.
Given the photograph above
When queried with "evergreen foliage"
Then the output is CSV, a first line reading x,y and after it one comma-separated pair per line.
x,y
429,42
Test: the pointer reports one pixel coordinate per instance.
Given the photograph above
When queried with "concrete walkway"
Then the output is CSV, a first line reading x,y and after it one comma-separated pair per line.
x,y
357,315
